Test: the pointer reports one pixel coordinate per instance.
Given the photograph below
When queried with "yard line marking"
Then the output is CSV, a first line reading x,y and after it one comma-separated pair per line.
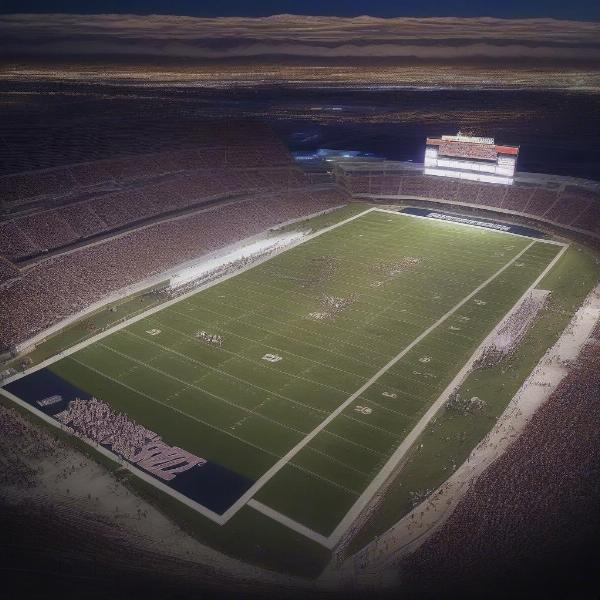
x,y
338,461
171,407
397,412
354,443
281,335
212,395
370,314
214,516
264,343
250,384
302,317
413,435
354,287
291,463
241,356
316,299
290,324
349,281
392,434
302,443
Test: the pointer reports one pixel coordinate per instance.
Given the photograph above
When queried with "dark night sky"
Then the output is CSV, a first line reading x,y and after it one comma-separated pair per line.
x,y
561,9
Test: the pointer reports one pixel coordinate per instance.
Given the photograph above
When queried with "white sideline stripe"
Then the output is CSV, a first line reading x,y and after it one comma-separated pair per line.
x,y
290,523
213,516
281,462
220,519
521,235
211,426
291,453
406,444
83,344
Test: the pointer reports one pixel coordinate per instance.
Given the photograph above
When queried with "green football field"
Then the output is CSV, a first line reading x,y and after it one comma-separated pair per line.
x,y
332,353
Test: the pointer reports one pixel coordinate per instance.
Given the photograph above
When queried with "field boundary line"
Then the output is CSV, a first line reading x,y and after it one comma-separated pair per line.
x,y
293,451
247,496
213,516
289,523
534,391
409,440
83,344
527,237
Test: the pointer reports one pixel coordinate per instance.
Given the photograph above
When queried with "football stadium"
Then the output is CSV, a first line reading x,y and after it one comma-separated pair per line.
x,y
304,368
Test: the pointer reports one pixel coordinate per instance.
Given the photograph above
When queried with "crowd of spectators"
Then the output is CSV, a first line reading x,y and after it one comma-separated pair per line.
x,y
7,270
254,146
542,200
33,234
58,287
589,219
534,509
468,150
20,447
510,332
572,206
516,198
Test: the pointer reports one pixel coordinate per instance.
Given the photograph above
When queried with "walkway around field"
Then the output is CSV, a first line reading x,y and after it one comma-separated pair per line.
x,y
424,520
397,456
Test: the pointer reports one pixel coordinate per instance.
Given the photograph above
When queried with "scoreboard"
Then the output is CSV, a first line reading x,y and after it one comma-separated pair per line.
x,y
468,157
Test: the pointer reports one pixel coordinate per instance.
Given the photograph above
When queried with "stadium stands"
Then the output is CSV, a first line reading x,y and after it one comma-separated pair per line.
x,y
589,219
464,150
540,497
541,202
492,195
14,242
516,198
48,229
61,286
567,205
8,271
252,146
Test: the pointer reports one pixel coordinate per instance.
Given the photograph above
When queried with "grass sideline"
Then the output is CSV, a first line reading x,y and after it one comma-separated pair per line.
x,y
448,442
266,309
115,312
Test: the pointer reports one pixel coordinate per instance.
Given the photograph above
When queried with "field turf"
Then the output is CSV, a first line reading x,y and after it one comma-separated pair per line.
x,y
403,280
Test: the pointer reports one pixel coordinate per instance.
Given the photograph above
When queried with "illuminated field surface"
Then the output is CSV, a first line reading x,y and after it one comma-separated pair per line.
x,y
313,369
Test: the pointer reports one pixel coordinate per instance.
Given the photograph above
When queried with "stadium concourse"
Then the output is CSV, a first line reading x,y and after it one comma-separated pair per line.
x,y
323,368
569,204
64,231
57,221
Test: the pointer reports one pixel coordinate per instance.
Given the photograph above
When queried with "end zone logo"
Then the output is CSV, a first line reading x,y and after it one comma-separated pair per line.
x,y
97,421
